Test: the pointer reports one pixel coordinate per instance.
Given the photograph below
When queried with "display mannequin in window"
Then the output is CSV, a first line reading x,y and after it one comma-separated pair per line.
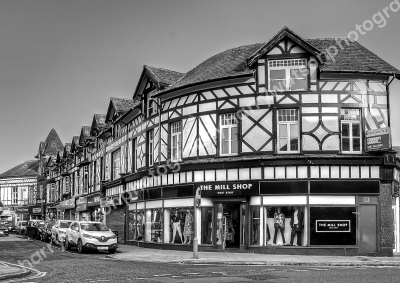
x,y
188,229
207,227
296,224
176,226
279,224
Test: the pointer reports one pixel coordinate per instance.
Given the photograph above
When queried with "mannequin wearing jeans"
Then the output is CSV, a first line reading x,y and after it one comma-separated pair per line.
x,y
295,223
176,225
279,220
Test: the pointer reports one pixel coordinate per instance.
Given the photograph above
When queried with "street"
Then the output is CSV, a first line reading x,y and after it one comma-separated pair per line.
x,y
59,266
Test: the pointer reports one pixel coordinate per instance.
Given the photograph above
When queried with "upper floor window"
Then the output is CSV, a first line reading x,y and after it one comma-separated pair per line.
x,y
116,164
150,147
14,199
134,154
350,120
288,130
152,109
228,134
85,179
176,145
66,185
287,75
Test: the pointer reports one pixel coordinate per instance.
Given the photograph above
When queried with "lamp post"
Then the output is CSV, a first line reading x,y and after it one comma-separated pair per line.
x,y
197,199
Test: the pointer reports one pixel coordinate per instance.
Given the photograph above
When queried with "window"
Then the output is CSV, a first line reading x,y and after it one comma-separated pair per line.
x,y
15,195
150,147
351,130
134,154
85,179
66,185
288,130
176,145
229,134
289,74
152,107
116,165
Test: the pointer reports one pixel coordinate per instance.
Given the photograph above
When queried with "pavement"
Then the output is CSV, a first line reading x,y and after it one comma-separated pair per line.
x,y
8,271
133,253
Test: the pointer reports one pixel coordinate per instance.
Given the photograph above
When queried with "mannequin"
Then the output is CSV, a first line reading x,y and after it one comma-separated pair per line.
x,y
176,225
206,227
188,229
279,224
296,223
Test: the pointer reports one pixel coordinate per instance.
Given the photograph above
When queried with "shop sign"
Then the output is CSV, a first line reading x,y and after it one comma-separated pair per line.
x,y
244,188
67,204
110,201
81,207
93,200
332,225
378,140
35,210
81,200
22,210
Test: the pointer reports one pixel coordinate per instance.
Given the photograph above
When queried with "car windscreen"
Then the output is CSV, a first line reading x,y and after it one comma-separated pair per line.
x,y
65,224
94,227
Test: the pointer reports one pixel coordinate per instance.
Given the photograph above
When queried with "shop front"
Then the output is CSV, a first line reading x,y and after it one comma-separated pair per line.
x,y
35,212
82,211
51,212
67,209
93,204
338,217
22,213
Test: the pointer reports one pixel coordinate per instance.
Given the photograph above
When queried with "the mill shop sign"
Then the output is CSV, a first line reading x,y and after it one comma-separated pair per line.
x,y
244,188
378,140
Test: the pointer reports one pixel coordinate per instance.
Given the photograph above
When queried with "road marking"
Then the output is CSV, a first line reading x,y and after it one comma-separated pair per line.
x,y
162,275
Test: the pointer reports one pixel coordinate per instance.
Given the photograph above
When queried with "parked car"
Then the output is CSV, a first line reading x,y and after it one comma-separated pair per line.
x,y
45,234
21,226
90,235
3,230
32,228
58,231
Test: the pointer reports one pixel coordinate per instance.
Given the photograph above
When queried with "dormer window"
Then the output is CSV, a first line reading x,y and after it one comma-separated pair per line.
x,y
287,75
152,109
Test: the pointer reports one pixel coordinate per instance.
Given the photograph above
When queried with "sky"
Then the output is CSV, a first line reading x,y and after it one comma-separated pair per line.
x,y
61,61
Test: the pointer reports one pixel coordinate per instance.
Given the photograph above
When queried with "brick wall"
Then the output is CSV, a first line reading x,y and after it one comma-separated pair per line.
x,y
386,221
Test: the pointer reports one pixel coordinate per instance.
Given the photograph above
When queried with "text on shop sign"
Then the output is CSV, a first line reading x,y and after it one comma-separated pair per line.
x,y
332,225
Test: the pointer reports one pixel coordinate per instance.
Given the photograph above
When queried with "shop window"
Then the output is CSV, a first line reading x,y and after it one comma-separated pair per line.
x,y
154,225
150,148
288,131
176,138
116,164
350,120
278,225
288,75
179,225
206,225
228,134
333,226
152,194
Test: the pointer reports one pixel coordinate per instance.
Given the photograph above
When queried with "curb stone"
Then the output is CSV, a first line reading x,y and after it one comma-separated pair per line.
x,y
15,275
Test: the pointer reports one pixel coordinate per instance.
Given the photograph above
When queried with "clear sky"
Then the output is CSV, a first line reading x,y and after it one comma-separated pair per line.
x,y
61,61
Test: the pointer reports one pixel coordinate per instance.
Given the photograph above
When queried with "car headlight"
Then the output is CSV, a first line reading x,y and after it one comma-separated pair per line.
x,y
114,237
87,236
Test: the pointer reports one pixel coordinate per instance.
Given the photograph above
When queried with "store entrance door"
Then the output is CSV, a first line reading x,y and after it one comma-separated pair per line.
x,y
368,230
229,230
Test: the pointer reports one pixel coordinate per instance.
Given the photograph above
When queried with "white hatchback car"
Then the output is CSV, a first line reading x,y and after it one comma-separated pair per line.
x,y
58,231
90,235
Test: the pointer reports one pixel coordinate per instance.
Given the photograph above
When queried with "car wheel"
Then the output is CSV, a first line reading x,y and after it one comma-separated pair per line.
x,y
51,241
112,251
37,236
81,248
67,245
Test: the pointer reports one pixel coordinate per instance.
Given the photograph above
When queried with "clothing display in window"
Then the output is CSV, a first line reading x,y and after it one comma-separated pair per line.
x,y
296,222
176,226
279,224
188,228
206,228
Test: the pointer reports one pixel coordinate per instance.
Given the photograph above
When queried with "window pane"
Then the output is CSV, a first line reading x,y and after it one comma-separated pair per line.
x,y
298,84
277,74
356,130
225,147
356,144
277,85
282,144
225,134
234,133
293,131
234,148
294,144
345,130
298,73
345,144
282,130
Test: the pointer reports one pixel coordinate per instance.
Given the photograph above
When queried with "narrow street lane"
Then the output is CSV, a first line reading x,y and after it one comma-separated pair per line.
x,y
94,267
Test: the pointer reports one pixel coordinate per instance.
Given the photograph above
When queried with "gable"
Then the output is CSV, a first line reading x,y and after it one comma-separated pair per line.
x,y
286,47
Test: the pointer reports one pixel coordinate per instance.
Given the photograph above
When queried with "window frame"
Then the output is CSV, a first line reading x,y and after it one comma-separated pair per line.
x,y
115,169
230,127
14,195
175,126
350,137
287,69
150,148
134,155
288,136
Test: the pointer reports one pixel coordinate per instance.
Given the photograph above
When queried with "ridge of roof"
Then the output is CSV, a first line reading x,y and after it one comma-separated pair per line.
x,y
164,76
28,168
122,104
